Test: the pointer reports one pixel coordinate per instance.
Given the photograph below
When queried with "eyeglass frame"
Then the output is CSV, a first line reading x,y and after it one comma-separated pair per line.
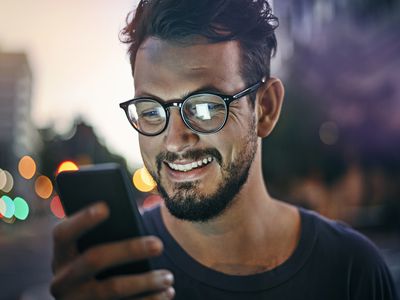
x,y
227,100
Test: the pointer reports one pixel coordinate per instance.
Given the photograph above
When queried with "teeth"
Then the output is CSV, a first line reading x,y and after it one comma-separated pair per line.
x,y
190,166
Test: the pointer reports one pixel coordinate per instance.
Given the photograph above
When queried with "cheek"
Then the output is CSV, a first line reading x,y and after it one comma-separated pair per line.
x,y
148,151
225,141
234,136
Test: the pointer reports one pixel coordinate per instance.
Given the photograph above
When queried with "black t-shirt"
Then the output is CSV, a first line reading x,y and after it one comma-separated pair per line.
x,y
330,262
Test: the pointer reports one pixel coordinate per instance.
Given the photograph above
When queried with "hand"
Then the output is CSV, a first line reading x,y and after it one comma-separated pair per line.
x,y
74,272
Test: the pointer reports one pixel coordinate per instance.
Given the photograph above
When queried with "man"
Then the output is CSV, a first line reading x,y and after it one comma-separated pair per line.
x,y
204,99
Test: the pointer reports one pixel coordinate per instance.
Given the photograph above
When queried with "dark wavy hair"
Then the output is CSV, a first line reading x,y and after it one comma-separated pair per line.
x,y
250,22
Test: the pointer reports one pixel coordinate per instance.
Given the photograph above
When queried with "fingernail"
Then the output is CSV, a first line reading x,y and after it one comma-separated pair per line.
x,y
168,278
170,292
164,278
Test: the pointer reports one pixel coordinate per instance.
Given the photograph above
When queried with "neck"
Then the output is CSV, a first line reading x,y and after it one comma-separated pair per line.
x,y
252,228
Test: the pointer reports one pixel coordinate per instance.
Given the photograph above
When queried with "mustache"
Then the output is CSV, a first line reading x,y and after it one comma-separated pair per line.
x,y
188,155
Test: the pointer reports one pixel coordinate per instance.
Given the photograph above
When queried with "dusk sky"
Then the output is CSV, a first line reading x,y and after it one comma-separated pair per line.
x,y
79,65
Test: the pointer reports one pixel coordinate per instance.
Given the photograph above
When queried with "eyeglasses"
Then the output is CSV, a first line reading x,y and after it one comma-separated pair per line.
x,y
201,112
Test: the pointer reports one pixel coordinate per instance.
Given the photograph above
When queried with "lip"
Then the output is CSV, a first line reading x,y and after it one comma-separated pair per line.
x,y
192,175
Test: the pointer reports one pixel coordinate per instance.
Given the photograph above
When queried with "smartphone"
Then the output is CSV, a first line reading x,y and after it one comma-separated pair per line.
x,y
111,184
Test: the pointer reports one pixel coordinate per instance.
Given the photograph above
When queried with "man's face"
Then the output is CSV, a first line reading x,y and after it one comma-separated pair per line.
x,y
219,163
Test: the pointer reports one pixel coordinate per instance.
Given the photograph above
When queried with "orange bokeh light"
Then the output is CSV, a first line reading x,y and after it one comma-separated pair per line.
x,y
27,167
67,166
143,181
43,187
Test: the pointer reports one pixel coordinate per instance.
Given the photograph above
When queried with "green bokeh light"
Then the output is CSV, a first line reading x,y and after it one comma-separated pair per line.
x,y
3,207
10,207
21,208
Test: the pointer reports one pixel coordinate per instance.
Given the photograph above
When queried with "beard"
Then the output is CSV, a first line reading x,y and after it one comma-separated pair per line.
x,y
187,203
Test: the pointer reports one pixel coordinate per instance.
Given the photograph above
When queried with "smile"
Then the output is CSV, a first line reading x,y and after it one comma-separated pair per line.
x,y
190,166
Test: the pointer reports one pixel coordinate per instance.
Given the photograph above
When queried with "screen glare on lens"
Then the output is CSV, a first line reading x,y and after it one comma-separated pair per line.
x,y
202,111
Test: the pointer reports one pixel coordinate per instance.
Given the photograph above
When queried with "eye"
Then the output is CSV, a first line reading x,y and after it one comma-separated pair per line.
x,y
204,106
215,106
150,113
154,113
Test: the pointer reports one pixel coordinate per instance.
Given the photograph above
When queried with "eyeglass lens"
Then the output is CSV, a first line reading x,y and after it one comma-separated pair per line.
x,y
201,112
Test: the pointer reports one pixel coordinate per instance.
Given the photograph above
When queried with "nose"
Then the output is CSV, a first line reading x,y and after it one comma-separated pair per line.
x,y
178,137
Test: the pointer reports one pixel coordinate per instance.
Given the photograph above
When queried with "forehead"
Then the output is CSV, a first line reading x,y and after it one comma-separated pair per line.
x,y
166,65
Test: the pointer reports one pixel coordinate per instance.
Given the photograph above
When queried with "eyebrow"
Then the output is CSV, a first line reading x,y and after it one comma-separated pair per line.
x,y
203,89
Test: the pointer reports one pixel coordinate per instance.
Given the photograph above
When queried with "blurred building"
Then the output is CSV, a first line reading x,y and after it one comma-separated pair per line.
x,y
16,130
18,136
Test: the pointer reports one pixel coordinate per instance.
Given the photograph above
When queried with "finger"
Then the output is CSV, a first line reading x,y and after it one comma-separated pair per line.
x,y
75,225
120,252
167,294
66,233
119,287
128,286
104,256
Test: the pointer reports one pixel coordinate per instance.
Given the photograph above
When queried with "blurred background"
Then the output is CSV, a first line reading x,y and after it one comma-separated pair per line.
x,y
63,72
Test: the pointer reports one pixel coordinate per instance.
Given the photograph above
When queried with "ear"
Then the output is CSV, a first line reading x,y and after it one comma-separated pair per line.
x,y
268,105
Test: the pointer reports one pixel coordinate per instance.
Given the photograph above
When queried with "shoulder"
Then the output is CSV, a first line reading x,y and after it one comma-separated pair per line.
x,y
333,231
346,251
338,244
338,235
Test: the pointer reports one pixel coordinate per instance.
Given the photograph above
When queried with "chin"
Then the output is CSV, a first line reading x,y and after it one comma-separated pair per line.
x,y
189,204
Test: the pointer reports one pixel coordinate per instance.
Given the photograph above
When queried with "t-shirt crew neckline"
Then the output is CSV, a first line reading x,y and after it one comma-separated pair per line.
x,y
240,283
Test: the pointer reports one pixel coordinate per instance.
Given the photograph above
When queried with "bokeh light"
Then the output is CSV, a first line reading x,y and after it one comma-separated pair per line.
x,y
9,182
151,201
56,207
10,207
27,167
143,181
147,178
21,208
43,187
3,207
3,179
329,133
67,166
